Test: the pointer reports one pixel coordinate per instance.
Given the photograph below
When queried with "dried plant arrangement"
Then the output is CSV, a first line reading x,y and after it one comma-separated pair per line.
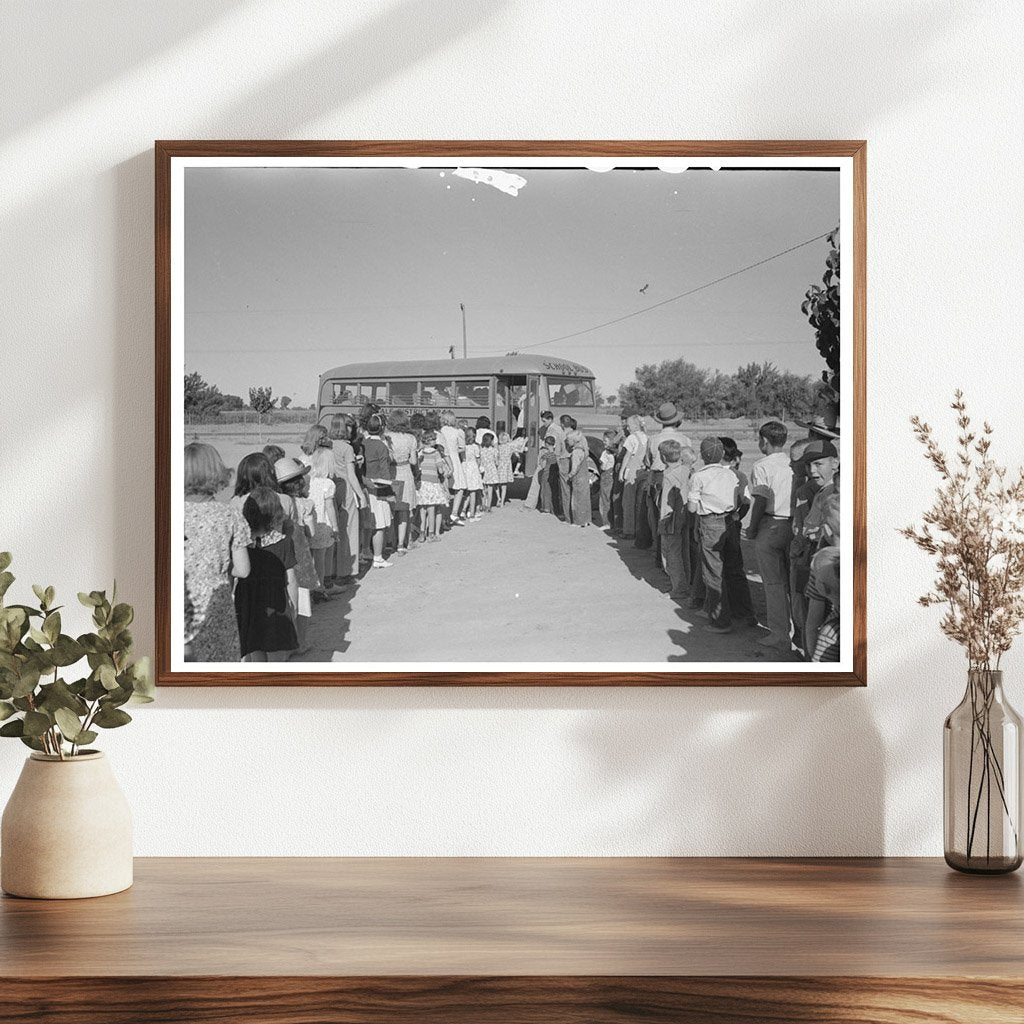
x,y
975,531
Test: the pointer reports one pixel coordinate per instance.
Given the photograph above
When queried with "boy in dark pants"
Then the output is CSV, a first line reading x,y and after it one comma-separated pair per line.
x,y
734,573
713,496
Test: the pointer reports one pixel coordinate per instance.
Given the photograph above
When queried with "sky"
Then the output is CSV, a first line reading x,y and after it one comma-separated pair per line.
x,y
291,271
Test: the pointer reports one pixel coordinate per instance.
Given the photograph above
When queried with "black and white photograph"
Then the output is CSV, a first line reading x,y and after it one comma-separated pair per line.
x,y
523,414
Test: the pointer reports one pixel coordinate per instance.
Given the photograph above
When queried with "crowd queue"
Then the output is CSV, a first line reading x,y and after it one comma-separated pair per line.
x,y
689,504
297,532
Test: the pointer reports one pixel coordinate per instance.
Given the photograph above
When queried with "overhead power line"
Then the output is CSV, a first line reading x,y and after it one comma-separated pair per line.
x,y
675,298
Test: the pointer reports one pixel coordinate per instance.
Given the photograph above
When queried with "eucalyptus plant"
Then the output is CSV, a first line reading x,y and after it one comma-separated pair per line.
x,y
45,711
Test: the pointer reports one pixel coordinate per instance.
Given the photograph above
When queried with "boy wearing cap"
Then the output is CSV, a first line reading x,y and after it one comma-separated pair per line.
x,y
771,489
670,418
817,464
713,495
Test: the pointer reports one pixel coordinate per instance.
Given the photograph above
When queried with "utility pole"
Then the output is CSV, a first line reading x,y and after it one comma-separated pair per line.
x,y
463,308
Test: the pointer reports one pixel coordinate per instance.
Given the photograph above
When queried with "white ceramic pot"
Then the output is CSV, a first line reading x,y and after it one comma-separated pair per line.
x,y
66,831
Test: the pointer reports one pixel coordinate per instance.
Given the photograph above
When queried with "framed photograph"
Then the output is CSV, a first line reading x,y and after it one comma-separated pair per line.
x,y
493,413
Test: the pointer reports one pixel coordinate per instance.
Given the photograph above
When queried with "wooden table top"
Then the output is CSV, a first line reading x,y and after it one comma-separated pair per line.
x,y
339,917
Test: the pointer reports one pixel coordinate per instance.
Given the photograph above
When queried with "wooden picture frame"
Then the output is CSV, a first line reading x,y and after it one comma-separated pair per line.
x,y
848,158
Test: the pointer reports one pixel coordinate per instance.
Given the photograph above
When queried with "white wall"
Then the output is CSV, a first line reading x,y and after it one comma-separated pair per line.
x,y
936,88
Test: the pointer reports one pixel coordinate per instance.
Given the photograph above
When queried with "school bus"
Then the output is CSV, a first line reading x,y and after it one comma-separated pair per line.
x,y
512,390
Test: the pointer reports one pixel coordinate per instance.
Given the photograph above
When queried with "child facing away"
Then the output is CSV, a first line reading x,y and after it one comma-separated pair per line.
x,y
606,465
673,516
265,601
325,514
432,495
378,473
580,513
474,481
505,473
489,468
216,552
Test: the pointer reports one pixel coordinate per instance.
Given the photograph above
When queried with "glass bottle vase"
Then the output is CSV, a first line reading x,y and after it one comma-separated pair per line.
x,y
981,774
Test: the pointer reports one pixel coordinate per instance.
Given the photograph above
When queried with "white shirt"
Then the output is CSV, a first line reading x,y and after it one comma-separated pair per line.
x,y
714,490
666,434
772,479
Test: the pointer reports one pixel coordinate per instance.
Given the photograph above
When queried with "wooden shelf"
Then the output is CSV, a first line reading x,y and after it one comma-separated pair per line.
x,y
523,939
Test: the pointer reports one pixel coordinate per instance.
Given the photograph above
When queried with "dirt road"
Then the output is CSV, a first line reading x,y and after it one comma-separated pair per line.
x,y
518,586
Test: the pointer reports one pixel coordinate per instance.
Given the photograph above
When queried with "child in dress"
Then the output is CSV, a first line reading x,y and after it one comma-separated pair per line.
x,y
378,473
293,483
432,495
488,468
325,515
265,601
505,475
471,470
216,552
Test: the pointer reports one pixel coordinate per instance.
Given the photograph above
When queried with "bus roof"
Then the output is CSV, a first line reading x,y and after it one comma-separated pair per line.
x,y
512,365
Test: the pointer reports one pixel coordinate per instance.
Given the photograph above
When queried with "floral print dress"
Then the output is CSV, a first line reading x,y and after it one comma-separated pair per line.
x,y
211,530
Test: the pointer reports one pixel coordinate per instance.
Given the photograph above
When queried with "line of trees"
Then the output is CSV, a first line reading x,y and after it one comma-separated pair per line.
x,y
756,390
204,401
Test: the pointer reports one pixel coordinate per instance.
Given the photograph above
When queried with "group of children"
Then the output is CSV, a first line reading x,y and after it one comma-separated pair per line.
x,y
296,532
561,482
695,526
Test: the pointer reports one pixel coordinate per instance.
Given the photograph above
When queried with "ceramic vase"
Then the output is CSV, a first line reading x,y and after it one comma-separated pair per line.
x,y
66,831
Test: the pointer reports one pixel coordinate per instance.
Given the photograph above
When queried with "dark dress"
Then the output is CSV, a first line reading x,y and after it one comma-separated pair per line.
x,y
261,600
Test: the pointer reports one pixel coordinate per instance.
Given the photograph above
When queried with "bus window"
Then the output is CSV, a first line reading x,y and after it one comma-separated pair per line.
x,y
342,393
437,393
569,392
472,394
376,392
404,392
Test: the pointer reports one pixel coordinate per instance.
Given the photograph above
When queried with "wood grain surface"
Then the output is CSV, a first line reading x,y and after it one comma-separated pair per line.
x,y
855,396
523,939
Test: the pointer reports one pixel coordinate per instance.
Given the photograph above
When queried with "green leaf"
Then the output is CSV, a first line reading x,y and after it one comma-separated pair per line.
x,y
38,636
69,724
6,579
94,644
29,611
87,736
89,600
122,616
142,682
13,728
5,560
6,710
108,718
51,626
31,741
50,595
94,689
40,593
9,662
107,676
36,723
27,681
13,625
67,651
59,695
